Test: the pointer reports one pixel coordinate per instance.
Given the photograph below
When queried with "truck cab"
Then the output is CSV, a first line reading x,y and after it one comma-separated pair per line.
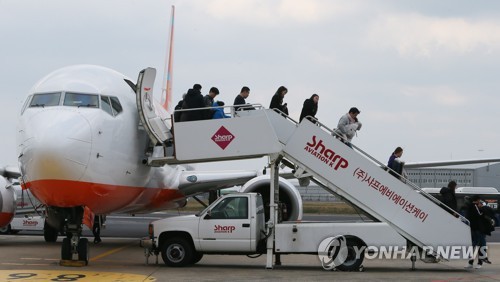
x,y
233,224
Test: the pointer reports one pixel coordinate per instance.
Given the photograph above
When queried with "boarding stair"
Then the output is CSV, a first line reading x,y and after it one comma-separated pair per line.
x,y
313,150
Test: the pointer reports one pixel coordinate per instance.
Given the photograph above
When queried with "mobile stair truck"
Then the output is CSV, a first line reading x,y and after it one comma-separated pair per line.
x,y
406,214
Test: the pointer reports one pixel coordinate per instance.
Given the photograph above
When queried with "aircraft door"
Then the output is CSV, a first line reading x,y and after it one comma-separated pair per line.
x,y
226,227
149,115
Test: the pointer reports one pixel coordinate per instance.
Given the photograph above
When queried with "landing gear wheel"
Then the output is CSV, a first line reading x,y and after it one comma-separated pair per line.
x,y
197,257
352,262
49,233
177,252
83,250
66,249
5,230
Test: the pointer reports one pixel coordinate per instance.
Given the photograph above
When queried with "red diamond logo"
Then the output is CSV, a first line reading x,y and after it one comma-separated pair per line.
x,y
223,137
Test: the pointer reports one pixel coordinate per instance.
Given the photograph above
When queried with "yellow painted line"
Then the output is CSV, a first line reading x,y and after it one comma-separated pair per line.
x,y
79,276
110,252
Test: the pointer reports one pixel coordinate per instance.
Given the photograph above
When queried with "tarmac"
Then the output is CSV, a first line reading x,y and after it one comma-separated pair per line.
x,y
30,258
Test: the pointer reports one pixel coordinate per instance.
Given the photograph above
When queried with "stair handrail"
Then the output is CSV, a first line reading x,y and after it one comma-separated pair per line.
x,y
388,169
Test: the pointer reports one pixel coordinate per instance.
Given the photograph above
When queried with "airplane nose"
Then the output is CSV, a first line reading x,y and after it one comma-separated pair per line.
x,y
58,145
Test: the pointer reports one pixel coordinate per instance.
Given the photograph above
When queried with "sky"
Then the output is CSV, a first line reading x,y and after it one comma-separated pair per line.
x,y
423,73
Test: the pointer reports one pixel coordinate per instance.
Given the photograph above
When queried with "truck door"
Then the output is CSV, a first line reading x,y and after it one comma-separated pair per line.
x,y
226,227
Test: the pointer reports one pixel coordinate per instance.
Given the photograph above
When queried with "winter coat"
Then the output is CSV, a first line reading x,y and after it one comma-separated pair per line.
x,y
277,103
308,109
449,198
219,112
395,164
239,102
192,100
348,127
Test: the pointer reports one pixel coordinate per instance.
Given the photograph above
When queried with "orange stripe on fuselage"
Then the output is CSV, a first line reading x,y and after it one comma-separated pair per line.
x,y
102,198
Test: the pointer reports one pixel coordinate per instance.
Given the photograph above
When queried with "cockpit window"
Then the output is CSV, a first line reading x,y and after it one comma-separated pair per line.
x,y
81,100
45,100
115,104
106,105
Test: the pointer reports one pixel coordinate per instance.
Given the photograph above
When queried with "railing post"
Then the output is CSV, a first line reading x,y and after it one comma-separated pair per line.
x,y
273,209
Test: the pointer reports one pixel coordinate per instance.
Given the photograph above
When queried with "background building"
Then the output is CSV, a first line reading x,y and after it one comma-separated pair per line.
x,y
479,176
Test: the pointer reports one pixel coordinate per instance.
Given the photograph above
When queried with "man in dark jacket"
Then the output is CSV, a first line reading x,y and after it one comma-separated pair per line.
x,y
209,101
193,100
448,195
239,101
477,228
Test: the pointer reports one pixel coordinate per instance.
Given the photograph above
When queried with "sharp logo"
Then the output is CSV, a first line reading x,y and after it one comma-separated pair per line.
x,y
147,88
329,157
30,223
223,137
224,229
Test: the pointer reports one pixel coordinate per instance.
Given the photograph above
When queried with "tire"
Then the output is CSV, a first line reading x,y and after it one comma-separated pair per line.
x,y
66,249
6,230
197,257
352,263
83,250
49,233
177,252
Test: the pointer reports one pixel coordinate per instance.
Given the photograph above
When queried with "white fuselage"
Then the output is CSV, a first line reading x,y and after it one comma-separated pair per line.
x,y
82,145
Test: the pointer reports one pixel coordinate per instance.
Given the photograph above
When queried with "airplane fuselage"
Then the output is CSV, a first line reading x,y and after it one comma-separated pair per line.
x,y
80,144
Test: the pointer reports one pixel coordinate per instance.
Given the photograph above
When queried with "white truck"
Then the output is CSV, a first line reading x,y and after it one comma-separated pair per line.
x,y
235,224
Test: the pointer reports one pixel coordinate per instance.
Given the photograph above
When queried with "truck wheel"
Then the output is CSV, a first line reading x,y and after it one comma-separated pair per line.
x,y
197,257
5,230
352,263
177,252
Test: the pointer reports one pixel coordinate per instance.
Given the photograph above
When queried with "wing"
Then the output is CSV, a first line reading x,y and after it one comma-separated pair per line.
x,y
10,172
194,182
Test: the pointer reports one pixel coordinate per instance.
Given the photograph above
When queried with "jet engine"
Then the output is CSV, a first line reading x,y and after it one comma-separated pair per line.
x,y
290,201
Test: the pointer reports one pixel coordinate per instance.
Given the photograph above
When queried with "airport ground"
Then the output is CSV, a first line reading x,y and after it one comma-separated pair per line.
x,y
27,257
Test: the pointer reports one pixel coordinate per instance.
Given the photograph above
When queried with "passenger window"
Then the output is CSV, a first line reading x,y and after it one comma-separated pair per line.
x,y
106,105
45,100
115,104
231,208
81,100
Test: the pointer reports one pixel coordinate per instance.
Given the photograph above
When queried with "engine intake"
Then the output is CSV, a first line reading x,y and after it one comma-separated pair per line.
x,y
289,196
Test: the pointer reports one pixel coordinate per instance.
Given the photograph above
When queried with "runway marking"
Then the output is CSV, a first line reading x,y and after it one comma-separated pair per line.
x,y
110,252
80,276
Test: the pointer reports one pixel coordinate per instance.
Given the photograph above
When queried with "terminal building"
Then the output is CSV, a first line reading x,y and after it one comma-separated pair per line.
x,y
479,176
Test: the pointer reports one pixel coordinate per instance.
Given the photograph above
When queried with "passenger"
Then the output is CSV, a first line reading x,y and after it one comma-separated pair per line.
x,y
448,195
478,230
310,107
219,112
395,163
193,100
489,223
277,100
239,101
177,115
209,101
348,125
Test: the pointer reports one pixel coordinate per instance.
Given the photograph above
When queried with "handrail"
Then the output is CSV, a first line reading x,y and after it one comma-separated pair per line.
x,y
231,107
403,179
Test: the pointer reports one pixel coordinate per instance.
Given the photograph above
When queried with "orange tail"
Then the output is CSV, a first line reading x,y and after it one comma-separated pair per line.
x,y
167,104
